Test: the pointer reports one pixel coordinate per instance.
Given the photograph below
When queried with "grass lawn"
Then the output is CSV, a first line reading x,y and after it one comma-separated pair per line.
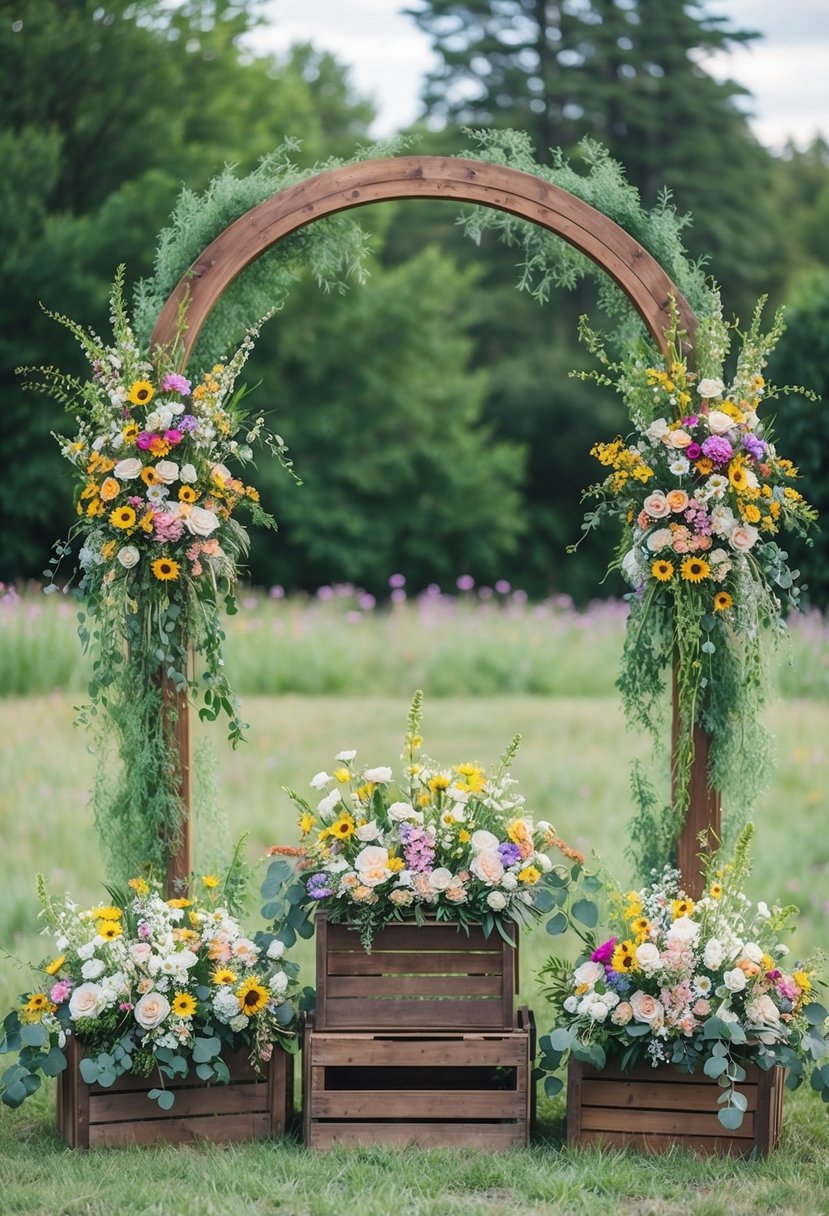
x,y
573,769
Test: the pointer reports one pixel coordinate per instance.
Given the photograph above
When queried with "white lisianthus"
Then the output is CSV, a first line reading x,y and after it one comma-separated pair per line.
x,y
125,470
571,1003
276,949
753,952
128,556
92,969
712,387
657,430
378,776
763,910
187,474
327,806
319,780
497,901
441,879
221,473
723,520
588,973
509,882
86,951
346,756
713,954
279,983
735,981
404,812
483,840
201,522
543,862
598,1011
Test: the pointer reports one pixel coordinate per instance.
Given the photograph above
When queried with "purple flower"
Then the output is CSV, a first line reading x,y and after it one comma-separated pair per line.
x,y
145,439
187,422
510,853
144,929
604,953
397,580
465,583
318,887
754,446
419,850
693,451
717,449
173,383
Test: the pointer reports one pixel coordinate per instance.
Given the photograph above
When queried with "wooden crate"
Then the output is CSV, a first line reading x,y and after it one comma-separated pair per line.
x,y
656,1108
249,1107
433,1090
417,977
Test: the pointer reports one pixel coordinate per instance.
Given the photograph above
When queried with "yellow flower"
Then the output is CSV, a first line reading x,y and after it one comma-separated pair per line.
x,y
737,476
634,905
38,1004
715,890
108,550
682,907
343,827
439,782
641,926
342,774
107,912
801,978
139,885
663,571
130,432
187,494
122,517
749,512
148,476
722,601
424,799
529,875
110,488
252,996
55,965
223,975
395,863
694,569
165,569
141,392
306,822
210,881
365,791
517,831
179,903
109,929
463,836
183,1005
623,959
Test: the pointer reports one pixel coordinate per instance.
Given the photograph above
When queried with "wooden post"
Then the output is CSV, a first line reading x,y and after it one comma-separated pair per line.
x,y
175,709
704,805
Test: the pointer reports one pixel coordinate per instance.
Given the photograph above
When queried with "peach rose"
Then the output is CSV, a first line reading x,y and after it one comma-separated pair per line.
x,y
677,500
622,1014
86,1001
646,1008
743,537
677,439
110,489
151,1010
660,538
456,894
656,505
488,866
401,897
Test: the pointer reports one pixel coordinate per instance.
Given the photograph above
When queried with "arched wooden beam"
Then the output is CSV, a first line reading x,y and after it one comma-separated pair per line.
x,y
639,275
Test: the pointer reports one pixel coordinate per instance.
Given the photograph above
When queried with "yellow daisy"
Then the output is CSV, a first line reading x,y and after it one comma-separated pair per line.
x,y
694,569
187,494
141,392
223,975
108,929
663,571
122,517
54,967
210,881
183,1005
165,569
252,996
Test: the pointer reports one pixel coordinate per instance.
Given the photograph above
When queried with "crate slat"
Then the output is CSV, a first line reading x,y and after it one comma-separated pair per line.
x,y
219,1129
216,1100
417,1104
380,1014
668,1122
345,1050
421,962
654,1095
493,1137
468,985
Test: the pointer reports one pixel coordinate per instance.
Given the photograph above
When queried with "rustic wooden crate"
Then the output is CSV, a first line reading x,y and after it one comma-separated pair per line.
x,y
656,1108
417,977
249,1107
433,1090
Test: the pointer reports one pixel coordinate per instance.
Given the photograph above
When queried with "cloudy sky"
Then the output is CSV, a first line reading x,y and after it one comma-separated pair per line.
x,y
787,71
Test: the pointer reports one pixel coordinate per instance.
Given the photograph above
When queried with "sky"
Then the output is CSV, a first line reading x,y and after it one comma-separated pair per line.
x,y
787,71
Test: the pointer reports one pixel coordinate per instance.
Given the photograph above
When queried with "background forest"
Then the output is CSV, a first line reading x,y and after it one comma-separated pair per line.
x,y
429,411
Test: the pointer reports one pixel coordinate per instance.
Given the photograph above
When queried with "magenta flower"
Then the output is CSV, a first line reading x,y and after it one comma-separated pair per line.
x,y
144,440
173,436
717,449
173,383
693,451
604,953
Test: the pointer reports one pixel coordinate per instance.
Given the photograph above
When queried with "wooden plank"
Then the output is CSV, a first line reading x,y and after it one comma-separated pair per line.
x,y
342,1050
353,1012
663,1074
207,1100
408,936
508,985
704,1146
495,1137
280,1090
575,1076
415,986
424,962
678,1122
219,1129
417,1104
658,1096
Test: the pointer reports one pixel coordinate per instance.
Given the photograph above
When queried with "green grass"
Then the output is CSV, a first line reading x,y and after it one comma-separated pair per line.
x,y
573,769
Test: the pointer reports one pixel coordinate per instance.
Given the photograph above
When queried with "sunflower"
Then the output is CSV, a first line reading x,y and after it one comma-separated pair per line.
x,y
108,929
107,912
141,392
122,517
223,975
183,1005
343,827
252,996
663,571
38,1004
715,891
623,959
165,569
130,432
682,907
54,967
641,927
722,600
148,476
738,477
187,494
694,569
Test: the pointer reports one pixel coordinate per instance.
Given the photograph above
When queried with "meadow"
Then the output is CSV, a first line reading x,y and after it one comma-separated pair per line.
x,y
335,671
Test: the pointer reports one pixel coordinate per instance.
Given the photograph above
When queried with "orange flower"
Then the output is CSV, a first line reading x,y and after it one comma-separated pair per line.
x,y
110,489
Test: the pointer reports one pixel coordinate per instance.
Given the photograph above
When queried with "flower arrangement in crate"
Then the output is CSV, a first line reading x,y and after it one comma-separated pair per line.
x,y
156,547
703,496
449,842
705,985
152,986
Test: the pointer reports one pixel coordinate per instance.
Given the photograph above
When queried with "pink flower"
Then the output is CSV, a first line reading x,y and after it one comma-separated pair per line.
x,y
173,436
60,991
702,1008
174,383
167,528
145,439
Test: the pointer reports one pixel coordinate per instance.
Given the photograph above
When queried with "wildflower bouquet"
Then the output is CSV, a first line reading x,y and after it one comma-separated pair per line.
x,y
702,495
701,985
156,545
450,842
149,985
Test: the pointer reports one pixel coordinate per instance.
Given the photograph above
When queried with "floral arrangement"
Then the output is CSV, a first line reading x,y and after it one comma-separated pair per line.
x,y
698,984
453,842
148,984
702,495
157,544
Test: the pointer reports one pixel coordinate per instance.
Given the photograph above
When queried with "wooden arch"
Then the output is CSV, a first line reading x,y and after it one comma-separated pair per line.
x,y
646,285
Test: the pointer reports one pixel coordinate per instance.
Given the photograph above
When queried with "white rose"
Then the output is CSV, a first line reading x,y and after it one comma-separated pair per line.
x,y
713,954
722,520
543,862
457,795
279,983
92,968
496,901
378,776
657,429
712,387
319,781
488,866
346,756
677,439
201,522
588,973
683,930
128,556
86,1001
598,1011
726,1015
125,470
140,952
276,949
622,1014
483,840
571,1004
151,1010
62,942
633,569
735,981
222,472
659,539
369,831
752,951
239,1022
166,471
404,812
441,879
763,1011
509,882
371,857
743,538
647,956
719,423
187,473
327,805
